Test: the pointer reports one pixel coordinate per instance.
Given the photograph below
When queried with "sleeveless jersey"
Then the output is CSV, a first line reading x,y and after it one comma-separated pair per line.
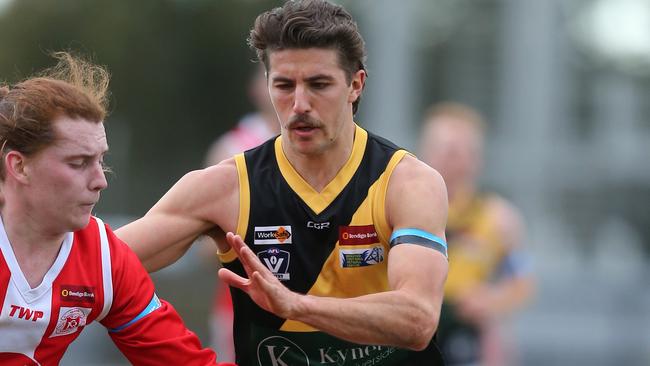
x,y
334,243
95,277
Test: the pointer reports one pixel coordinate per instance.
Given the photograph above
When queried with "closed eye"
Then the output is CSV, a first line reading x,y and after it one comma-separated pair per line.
x,y
319,85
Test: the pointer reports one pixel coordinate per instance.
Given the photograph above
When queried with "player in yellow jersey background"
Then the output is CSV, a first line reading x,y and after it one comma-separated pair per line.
x,y
489,273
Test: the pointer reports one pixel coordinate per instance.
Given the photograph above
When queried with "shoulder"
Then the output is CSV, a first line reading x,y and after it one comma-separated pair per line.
x,y
213,180
410,170
416,196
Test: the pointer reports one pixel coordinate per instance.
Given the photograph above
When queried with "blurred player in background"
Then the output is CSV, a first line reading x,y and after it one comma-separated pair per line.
x,y
60,267
489,274
253,129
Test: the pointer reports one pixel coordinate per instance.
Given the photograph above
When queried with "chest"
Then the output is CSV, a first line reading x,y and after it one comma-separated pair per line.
x,y
40,321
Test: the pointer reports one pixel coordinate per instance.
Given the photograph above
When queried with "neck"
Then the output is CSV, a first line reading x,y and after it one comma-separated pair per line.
x,y
34,247
320,169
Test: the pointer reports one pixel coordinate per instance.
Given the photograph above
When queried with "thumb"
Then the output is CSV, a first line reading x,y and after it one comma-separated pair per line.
x,y
232,279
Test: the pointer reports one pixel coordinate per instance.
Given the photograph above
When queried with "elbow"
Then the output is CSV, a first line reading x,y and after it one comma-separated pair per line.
x,y
424,327
422,337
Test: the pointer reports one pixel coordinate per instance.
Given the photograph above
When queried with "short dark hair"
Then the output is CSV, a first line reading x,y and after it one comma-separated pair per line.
x,y
310,23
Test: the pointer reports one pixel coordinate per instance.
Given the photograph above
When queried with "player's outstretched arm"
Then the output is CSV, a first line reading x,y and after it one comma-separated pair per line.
x,y
195,204
515,284
407,315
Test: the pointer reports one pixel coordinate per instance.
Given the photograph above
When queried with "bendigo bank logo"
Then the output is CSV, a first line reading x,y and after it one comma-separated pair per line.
x,y
358,235
267,235
79,294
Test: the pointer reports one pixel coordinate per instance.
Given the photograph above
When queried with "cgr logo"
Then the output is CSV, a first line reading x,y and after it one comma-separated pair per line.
x,y
279,351
318,225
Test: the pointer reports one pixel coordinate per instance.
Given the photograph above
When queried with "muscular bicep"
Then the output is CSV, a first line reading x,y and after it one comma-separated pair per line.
x,y
193,206
417,198
416,203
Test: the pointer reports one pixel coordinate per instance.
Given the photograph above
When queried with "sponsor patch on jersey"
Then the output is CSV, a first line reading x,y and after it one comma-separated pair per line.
x,y
78,294
268,235
277,350
361,257
70,319
277,261
358,235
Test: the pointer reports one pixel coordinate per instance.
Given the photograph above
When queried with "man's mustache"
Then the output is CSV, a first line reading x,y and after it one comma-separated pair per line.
x,y
304,120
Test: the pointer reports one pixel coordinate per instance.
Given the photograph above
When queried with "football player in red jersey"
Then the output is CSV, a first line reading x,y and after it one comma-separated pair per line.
x,y
60,267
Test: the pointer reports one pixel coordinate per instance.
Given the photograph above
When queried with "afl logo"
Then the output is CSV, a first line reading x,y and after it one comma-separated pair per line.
x,y
277,261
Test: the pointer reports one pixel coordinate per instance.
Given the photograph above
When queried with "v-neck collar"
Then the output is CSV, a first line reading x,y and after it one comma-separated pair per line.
x,y
318,201
28,293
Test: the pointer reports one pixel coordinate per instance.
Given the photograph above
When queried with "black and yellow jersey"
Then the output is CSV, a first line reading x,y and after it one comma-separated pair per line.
x,y
330,243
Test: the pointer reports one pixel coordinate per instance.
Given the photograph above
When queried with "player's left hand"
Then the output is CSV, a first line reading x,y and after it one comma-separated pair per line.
x,y
261,285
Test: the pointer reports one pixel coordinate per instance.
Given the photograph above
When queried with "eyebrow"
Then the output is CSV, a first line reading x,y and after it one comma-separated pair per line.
x,y
86,155
318,77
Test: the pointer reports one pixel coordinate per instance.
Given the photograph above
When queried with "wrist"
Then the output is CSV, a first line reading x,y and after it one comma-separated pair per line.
x,y
300,305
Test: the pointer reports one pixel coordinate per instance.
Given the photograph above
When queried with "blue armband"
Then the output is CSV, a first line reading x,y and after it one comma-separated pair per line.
x,y
418,237
153,305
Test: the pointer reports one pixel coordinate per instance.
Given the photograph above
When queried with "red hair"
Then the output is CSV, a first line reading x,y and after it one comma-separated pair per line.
x,y
74,88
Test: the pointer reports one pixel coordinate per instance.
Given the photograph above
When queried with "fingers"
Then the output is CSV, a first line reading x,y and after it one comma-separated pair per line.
x,y
238,245
235,241
265,283
277,295
249,260
232,279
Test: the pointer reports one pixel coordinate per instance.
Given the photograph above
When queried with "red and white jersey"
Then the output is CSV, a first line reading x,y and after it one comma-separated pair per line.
x,y
94,277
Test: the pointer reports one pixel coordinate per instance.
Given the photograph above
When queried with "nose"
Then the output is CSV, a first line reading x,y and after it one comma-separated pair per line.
x,y
301,103
98,180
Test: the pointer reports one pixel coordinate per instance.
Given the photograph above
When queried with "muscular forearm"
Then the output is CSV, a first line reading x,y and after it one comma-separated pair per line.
x,y
162,259
394,318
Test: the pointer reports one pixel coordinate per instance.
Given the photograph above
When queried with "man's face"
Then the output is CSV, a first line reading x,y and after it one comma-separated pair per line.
x,y
312,98
64,179
453,147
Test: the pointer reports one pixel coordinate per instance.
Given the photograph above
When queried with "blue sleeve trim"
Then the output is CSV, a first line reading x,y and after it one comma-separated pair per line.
x,y
153,305
418,232
418,237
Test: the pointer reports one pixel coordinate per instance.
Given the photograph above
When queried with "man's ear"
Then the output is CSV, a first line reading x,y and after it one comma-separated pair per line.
x,y
357,84
15,166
